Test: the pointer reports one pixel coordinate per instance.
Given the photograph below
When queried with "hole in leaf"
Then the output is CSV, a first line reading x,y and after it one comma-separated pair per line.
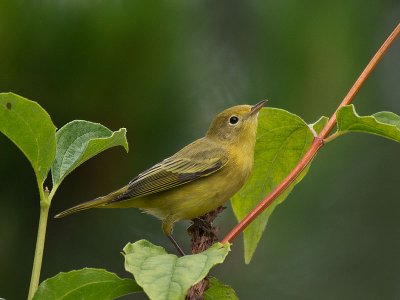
x,y
8,105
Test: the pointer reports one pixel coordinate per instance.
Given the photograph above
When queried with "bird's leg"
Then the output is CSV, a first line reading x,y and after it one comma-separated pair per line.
x,y
175,243
167,227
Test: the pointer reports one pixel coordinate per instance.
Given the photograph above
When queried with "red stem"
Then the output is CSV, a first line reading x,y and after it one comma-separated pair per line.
x,y
317,143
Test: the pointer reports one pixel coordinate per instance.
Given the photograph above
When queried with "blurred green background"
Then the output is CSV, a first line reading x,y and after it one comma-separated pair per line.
x,y
163,69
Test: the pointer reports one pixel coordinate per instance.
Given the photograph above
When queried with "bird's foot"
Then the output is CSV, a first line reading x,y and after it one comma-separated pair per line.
x,y
203,225
203,233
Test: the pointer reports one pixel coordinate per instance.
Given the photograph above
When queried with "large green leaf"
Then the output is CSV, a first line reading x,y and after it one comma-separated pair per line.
x,y
88,284
282,140
165,276
219,291
79,141
29,126
385,124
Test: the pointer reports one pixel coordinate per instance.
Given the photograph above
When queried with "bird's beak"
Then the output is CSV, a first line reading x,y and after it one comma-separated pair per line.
x,y
256,108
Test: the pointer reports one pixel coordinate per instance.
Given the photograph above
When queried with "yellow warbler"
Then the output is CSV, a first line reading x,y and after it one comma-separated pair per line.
x,y
197,179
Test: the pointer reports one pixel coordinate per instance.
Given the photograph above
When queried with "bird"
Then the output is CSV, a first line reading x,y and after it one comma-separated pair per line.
x,y
197,179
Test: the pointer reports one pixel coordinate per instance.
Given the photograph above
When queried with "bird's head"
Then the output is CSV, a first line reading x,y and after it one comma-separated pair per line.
x,y
237,124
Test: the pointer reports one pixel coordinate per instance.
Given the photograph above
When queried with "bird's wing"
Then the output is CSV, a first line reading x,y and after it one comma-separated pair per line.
x,y
199,159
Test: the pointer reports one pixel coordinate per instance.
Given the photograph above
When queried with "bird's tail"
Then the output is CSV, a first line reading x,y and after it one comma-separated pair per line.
x,y
98,202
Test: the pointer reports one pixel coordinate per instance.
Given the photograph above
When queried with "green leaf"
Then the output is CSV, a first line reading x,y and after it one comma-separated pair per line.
x,y
79,141
219,291
165,276
282,140
30,127
385,124
88,284
319,124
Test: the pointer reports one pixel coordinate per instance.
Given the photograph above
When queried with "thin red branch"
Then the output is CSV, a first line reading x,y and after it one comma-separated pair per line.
x,y
361,79
317,143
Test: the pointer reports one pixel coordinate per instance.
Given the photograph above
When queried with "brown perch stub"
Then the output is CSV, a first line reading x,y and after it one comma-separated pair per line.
x,y
203,235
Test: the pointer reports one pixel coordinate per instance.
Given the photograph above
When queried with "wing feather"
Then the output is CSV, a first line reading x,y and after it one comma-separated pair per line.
x,y
199,159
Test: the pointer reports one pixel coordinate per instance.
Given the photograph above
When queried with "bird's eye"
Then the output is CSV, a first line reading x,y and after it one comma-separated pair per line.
x,y
233,120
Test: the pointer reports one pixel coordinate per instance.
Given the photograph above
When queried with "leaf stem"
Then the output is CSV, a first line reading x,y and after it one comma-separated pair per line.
x,y
52,192
37,262
332,137
317,143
